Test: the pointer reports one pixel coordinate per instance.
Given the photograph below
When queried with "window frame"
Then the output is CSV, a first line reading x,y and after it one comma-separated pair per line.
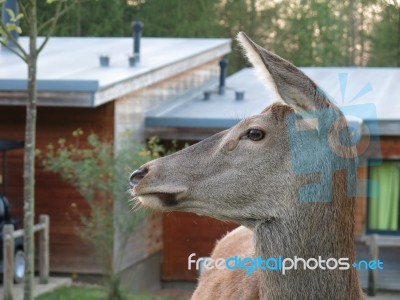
x,y
370,163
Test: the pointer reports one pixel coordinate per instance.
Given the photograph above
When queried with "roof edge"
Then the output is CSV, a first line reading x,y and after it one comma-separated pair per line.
x,y
51,85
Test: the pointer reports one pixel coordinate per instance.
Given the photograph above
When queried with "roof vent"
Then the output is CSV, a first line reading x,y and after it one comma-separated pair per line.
x,y
104,61
137,28
239,95
207,95
132,61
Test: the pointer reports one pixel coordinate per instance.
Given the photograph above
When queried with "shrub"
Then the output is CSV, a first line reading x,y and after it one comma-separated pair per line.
x,y
100,173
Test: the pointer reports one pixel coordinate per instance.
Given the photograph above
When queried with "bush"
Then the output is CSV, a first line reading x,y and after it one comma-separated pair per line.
x,y
100,173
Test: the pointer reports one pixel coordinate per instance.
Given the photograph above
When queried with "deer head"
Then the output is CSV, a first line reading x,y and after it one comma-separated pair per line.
x,y
287,173
245,173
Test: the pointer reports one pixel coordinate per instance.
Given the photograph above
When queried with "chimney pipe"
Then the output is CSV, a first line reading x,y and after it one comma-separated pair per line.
x,y
137,28
223,65
6,18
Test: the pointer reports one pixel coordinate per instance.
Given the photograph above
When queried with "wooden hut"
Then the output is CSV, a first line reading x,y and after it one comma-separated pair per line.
x,y
78,89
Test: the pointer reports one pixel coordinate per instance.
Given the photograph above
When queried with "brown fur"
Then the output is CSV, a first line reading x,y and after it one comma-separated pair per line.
x,y
238,242
231,177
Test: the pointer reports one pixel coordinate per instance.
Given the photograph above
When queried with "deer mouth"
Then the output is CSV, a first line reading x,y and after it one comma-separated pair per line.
x,y
160,200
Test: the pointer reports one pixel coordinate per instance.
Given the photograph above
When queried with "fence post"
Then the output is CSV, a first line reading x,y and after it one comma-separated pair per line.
x,y
8,261
44,249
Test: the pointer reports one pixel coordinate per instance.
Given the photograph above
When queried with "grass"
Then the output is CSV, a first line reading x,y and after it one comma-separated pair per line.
x,y
92,293
73,292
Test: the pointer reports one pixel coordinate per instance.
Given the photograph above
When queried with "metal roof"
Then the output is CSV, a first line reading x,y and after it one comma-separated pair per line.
x,y
369,93
69,72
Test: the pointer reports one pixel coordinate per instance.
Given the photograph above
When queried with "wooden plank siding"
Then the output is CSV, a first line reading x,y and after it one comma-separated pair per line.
x,y
54,197
130,109
184,234
68,253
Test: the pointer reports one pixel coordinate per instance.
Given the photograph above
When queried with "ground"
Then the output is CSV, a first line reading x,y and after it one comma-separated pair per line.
x,y
96,293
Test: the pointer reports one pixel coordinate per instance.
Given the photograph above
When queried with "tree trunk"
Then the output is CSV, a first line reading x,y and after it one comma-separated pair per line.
x,y
352,25
398,36
362,34
253,18
79,18
29,158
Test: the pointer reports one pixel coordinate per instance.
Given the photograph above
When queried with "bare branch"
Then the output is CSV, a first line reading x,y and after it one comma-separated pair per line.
x,y
14,51
13,40
53,22
24,11
45,24
60,14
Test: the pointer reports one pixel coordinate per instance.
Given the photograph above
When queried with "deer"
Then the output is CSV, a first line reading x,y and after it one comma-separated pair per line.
x,y
245,175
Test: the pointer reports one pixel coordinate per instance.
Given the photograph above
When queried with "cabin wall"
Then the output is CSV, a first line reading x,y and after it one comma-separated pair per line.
x,y
68,253
389,149
130,110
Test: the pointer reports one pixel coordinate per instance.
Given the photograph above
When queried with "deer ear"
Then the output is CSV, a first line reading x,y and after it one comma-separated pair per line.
x,y
290,84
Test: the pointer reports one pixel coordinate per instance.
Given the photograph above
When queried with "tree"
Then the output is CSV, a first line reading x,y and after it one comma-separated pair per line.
x,y
96,169
89,18
202,18
385,37
30,57
306,32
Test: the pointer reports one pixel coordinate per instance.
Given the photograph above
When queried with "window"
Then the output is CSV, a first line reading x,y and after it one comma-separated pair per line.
x,y
383,209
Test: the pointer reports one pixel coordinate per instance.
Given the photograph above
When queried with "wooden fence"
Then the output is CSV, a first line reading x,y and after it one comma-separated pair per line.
x,y
9,236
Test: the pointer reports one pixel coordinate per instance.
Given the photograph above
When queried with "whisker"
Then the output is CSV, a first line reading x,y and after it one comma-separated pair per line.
x,y
136,206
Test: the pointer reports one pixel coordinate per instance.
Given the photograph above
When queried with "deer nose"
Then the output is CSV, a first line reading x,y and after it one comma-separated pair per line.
x,y
137,176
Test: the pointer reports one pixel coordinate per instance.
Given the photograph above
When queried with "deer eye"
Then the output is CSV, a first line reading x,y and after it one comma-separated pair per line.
x,y
255,134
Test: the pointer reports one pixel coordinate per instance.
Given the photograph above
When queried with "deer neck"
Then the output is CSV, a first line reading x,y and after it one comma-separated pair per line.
x,y
306,237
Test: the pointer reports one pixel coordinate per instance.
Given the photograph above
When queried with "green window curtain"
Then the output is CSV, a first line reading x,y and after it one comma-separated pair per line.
x,y
383,212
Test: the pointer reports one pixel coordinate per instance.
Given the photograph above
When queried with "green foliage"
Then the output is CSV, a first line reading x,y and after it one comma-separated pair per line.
x,y
74,292
202,18
11,26
100,174
13,17
88,18
93,293
180,18
385,39
93,166
307,32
